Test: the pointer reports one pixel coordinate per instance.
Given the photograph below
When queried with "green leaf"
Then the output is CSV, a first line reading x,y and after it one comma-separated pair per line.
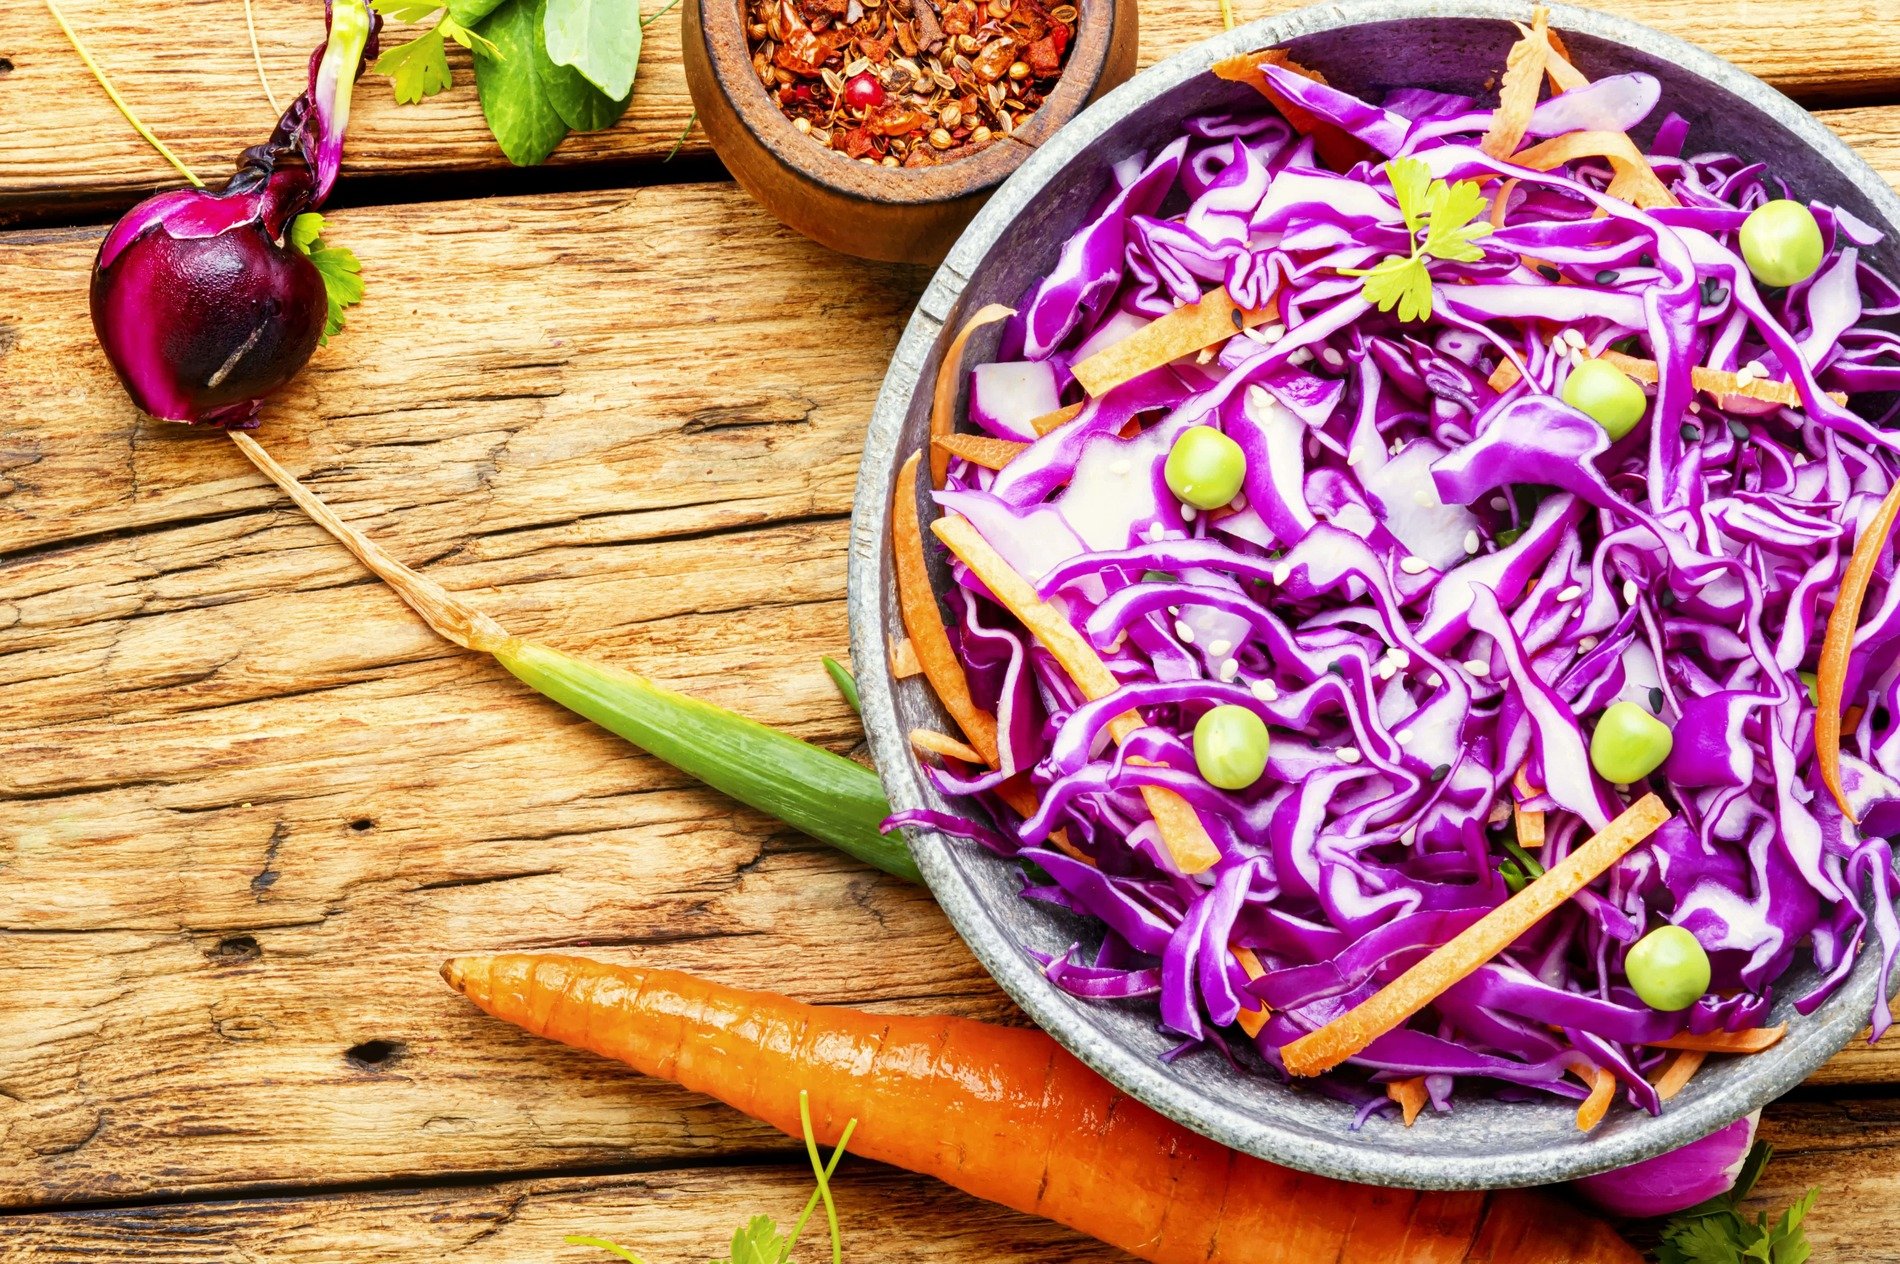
x,y
846,682
514,98
580,104
598,38
1402,283
337,265
1453,208
417,69
468,12
1411,179
404,10
758,1242
451,29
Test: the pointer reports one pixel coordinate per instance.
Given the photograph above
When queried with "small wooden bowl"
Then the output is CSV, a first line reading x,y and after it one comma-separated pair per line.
x,y
904,215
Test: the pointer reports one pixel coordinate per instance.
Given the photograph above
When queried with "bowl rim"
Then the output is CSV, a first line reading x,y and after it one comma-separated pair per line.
x,y
1078,1029
730,61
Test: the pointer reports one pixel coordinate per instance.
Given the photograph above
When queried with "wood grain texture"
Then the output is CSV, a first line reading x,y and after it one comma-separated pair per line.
x,y
186,67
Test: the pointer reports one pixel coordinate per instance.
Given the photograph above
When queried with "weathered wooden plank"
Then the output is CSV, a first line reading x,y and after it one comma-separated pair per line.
x,y
187,68
663,1216
1843,1148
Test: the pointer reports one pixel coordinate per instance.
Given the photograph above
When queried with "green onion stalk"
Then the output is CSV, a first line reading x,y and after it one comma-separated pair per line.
x,y
827,796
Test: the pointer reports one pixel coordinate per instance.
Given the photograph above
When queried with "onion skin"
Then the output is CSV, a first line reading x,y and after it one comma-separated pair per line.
x,y
200,302
1677,1180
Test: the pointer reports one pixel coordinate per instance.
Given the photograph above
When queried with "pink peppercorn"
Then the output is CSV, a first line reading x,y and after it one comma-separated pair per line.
x,y
863,92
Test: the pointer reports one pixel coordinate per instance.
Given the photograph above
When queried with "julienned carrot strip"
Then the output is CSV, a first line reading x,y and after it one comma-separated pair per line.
x,y
1830,676
1181,830
1754,1040
1484,939
1251,1020
985,450
1060,417
1708,381
1530,826
1635,182
1005,1114
1676,1075
943,744
1597,1105
917,605
1411,1096
1165,339
1517,96
943,404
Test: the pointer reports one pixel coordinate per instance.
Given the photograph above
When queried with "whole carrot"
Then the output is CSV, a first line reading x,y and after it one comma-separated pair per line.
x,y
1005,1114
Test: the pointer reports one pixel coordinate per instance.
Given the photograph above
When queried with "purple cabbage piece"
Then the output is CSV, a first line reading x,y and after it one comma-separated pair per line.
x,y
1430,587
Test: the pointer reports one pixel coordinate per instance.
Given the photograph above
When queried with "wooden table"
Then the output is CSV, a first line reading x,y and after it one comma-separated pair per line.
x,y
247,803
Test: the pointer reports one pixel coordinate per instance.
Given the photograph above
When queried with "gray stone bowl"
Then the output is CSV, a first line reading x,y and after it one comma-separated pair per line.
x,y
1362,46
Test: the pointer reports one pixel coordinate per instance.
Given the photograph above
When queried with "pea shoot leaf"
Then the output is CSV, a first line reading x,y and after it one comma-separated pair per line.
x,y
509,82
1446,214
758,1242
417,69
581,105
470,12
598,38
1716,1232
337,265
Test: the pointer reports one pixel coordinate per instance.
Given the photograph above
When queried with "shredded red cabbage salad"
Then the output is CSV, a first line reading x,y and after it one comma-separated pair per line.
x,y
1431,589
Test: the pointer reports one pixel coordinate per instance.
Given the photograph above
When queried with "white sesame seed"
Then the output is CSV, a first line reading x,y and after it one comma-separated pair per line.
x,y
1433,680
1386,669
1183,631
1189,513
1477,667
1265,690
1120,467
1274,332
1282,572
1631,592
1157,532
1571,593
1229,669
1414,565
1302,356
1402,736
1239,501
1471,541
1574,338
1349,754
1754,369
1500,504
1410,836
1174,610
1695,407
1312,448
1332,359
1587,644
1424,499
1576,612
1219,647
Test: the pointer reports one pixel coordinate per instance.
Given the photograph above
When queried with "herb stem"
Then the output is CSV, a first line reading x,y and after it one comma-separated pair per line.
x,y
576,1239
823,1174
257,58
682,140
658,14
1227,13
131,117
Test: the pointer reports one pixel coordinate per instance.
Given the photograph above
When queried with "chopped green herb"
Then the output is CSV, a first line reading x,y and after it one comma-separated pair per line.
x,y
337,265
1716,1232
1445,214
1514,879
1527,863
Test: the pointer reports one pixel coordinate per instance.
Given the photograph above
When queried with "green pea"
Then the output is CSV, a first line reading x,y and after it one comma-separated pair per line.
x,y
1205,468
1607,395
1629,743
1782,243
1668,969
1230,747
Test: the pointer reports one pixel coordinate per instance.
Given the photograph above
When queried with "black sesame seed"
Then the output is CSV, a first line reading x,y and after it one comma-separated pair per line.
x,y
1881,717
1648,261
1441,772
1607,277
1668,597
1240,322
1738,428
1656,699
1549,273
1337,667
1691,433
1713,292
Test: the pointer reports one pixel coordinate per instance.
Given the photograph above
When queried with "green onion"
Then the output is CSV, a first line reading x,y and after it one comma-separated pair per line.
x,y
842,677
824,795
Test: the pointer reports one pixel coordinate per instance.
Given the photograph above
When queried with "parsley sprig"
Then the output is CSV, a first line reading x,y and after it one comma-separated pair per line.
x,y
1716,1232
1444,213
420,68
337,265
758,1240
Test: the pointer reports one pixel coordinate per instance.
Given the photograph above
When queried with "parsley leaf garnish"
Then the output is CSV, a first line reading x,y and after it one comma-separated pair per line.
x,y
420,68
1716,1232
758,1240
337,265
1447,214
